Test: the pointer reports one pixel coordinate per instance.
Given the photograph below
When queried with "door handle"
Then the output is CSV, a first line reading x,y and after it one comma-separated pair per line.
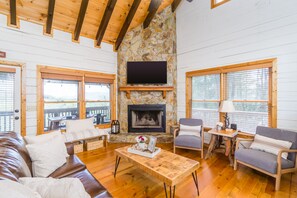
x,y
16,117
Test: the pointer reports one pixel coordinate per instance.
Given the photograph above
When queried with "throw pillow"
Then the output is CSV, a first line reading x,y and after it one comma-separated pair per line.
x,y
14,189
46,157
189,130
73,126
47,137
58,188
270,145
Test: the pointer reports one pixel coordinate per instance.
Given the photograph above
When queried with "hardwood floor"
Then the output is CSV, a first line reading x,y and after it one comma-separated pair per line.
x,y
216,178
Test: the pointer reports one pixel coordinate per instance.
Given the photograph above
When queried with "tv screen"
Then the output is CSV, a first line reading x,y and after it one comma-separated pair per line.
x,y
153,72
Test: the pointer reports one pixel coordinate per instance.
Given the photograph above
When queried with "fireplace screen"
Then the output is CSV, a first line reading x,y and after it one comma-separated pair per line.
x,y
147,118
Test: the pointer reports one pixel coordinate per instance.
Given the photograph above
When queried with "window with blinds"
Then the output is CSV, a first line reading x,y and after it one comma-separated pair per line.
x,y
206,98
74,94
251,86
7,82
249,91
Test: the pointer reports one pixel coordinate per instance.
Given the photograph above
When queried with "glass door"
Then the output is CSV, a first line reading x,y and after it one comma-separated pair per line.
x,y
10,98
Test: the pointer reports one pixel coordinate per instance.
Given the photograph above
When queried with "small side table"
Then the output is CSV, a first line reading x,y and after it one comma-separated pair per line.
x,y
229,138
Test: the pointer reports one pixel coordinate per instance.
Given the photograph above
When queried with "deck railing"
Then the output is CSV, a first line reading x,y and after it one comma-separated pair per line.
x,y
72,114
7,122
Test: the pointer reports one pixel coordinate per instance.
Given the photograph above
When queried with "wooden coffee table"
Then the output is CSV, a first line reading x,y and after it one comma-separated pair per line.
x,y
168,167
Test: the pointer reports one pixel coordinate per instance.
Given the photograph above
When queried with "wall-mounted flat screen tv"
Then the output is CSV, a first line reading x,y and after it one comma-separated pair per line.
x,y
152,72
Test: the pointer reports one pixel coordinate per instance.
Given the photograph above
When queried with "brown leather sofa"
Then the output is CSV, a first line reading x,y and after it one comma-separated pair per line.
x,y
14,157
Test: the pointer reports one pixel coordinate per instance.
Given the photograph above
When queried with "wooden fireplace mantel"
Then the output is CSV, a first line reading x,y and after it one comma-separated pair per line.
x,y
164,89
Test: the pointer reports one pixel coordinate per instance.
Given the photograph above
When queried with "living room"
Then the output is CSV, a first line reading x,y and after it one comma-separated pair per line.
x,y
227,63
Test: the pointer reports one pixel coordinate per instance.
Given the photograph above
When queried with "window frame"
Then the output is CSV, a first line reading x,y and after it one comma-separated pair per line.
x,y
223,70
48,72
214,4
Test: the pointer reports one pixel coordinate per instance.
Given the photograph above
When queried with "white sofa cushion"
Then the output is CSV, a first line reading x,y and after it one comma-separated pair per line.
x,y
87,134
270,145
39,139
14,189
56,188
74,126
189,130
46,157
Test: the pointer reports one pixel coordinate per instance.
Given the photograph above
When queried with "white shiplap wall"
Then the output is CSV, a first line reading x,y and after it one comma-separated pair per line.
x,y
30,46
240,31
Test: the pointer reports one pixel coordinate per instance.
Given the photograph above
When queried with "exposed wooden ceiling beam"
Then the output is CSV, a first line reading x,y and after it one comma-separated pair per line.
x,y
175,5
13,17
105,20
80,19
152,11
50,16
127,23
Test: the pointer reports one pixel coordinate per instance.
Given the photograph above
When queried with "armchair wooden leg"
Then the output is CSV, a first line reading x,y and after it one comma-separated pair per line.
x,y
173,149
202,154
235,164
277,182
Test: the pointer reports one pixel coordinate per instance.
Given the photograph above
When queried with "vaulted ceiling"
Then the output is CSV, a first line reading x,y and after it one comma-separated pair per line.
x,y
101,20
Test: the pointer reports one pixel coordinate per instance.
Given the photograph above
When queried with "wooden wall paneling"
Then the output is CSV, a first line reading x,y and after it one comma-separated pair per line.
x,y
50,16
175,5
105,20
23,90
153,8
127,23
37,11
80,19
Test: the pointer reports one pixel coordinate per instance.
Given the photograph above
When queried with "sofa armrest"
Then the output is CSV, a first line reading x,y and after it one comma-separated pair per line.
x,y
175,132
70,148
279,156
240,141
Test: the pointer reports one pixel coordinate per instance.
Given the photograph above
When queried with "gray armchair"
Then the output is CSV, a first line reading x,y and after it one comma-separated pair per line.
x,y
189,141
270,164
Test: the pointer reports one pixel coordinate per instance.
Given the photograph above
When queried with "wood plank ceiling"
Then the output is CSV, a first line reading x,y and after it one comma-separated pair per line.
x,y
100,20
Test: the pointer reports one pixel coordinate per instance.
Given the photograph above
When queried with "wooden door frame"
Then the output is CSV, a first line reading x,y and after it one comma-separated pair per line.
x,y
22,66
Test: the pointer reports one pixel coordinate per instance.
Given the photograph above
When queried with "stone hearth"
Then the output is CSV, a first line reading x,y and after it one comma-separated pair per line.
x,y
130,137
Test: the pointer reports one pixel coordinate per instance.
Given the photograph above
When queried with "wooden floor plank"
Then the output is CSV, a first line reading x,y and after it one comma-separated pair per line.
x,y
216,178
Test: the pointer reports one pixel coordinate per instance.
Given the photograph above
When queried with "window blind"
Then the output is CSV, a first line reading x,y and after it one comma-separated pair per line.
x,y
249,91
205,98
7,82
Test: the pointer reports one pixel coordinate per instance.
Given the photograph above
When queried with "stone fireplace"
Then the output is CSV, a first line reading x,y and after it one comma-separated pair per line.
x,y
147,118
148,44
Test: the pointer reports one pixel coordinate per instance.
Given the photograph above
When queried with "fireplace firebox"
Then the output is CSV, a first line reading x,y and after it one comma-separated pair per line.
x,y
146,118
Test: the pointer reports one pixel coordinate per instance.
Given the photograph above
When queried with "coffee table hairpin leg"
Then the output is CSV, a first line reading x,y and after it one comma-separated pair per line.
x,y
171,194
196,181
118,159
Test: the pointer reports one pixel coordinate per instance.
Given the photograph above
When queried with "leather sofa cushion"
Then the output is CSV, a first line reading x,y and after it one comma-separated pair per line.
x,y
11,139
92,186
72,165
13,162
